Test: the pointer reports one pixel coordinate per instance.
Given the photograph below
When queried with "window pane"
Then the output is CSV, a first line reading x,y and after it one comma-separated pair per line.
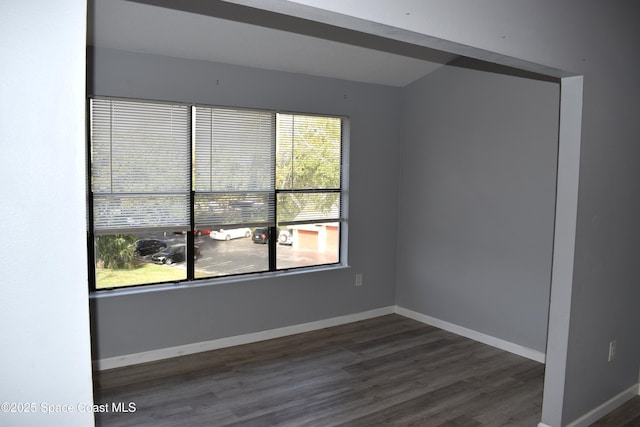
x,y
135,259
308,152
234,188
308,207
308,245
214,210
233,150
227,251
140,165
308,157
129,212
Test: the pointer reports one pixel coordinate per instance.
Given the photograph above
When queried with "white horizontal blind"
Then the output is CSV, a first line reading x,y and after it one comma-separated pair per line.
x,y
308,169
234,168
140,166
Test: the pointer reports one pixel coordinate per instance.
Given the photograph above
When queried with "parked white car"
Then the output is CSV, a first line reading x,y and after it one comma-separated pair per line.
x,y
285,237
230,233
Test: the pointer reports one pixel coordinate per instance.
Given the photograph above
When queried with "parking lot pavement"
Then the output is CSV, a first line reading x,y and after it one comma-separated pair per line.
x,y
238,256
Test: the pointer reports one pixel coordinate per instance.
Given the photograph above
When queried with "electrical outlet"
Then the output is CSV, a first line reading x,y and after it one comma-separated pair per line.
x,y
612,350
358,279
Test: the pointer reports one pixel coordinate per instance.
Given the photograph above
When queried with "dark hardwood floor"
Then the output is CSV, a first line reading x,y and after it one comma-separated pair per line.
x,y
384,371
627,415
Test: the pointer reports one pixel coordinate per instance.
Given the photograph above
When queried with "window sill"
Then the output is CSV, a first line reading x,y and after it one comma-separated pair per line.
x,y
162,287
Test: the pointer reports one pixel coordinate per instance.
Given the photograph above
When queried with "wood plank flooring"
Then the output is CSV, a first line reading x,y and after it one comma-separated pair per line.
x,y
627,415
384,371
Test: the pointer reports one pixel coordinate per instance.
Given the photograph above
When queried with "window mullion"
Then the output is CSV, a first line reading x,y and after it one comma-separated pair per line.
x,y
273,231
190,249
91,255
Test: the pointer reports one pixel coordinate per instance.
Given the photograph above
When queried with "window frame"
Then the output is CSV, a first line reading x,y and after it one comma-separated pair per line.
x,y
272,270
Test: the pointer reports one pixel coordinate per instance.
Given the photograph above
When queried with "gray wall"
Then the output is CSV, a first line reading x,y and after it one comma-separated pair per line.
x,y
598,40
477,198
44,319
130,323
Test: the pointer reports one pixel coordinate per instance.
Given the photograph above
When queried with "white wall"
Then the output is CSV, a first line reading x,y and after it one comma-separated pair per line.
x,y
44,320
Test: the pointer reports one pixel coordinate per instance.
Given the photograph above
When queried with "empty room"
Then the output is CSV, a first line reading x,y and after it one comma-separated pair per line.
x,y
310,213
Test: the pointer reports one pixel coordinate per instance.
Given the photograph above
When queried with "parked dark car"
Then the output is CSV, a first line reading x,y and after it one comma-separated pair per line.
x,y
260,235
148,246
176,253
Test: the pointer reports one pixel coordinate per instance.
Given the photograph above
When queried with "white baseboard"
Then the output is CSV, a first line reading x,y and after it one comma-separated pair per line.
x,y
182,350
608,406
538,356
543,425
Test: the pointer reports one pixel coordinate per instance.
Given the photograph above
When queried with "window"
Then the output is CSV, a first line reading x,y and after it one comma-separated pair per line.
x,y
308,187
181,192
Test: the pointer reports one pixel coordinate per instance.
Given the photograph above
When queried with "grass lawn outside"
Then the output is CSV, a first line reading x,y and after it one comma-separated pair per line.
x,y
145,273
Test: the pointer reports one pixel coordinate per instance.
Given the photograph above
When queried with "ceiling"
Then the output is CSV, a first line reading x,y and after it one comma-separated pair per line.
x,y
263,40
